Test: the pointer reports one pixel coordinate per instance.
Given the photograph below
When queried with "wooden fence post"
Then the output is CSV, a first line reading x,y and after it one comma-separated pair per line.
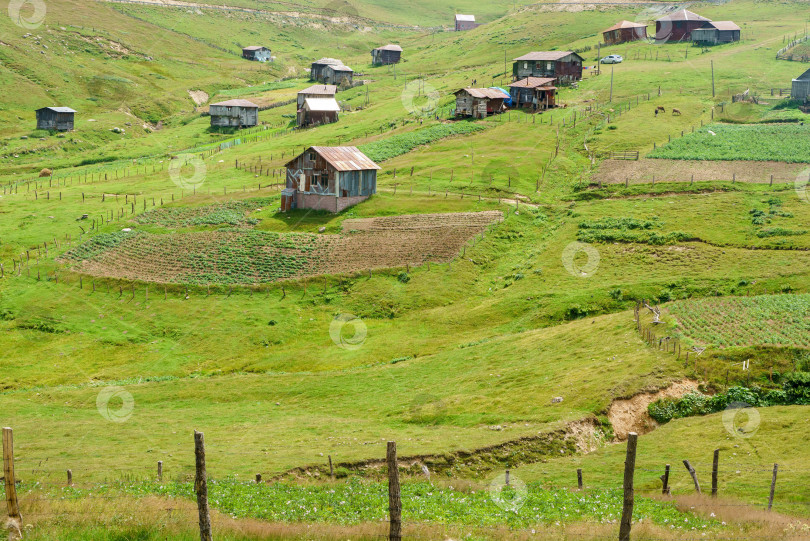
x,y
715,462
579,478
331,471
14,517
773,486
394,501
692,472
70,478
201,487
629,470
160,471
665,480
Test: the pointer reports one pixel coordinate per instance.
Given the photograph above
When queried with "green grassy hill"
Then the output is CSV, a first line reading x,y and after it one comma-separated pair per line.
x,y
460,358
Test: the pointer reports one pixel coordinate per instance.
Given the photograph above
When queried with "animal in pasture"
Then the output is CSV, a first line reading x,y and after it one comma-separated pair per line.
x,y
676,111
661,109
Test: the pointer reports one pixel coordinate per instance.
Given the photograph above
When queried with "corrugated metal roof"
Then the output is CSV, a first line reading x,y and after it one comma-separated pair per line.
x,y
625,24
342,158
491,93
254,48
59,109
322,104
236,103
341,67
683,15
389,47
722,25
465,18
329,61
545,55
319,89
533,82
803,77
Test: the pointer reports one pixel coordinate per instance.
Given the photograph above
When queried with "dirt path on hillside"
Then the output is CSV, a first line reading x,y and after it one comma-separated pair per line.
x,y
630,415
643,171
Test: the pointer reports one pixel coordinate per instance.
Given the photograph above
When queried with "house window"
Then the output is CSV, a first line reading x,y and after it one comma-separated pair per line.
x,y
525,65
320,182
311,156
550,66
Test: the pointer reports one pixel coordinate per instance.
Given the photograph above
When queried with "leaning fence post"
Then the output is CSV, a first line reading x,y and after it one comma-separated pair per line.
x,y
665,480
394,501
715,463
629,470
201,487
773,486
14,517
692,472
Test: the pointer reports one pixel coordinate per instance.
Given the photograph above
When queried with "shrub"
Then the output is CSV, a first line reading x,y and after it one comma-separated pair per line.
x,y
797,388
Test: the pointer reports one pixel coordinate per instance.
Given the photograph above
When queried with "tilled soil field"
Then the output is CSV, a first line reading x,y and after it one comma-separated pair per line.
x,y
642,171
250,257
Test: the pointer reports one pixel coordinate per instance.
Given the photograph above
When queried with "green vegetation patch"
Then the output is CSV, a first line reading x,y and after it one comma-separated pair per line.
x,y
98,245
244,91
757,142
229,213
401,143
627,230
779,320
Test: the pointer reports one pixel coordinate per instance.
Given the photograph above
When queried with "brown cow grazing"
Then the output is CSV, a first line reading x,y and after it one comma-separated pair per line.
x,y
661,109
676,111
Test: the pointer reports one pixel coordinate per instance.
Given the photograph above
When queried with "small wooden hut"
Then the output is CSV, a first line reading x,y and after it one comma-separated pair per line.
x,y
317,111
800,89
465,22
338,75
624,31
479,102
714,32
316,91
318,67
55,118
387,54
257,53
535,93
234,114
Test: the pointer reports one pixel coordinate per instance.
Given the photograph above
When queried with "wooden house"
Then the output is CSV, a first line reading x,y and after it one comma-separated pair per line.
x,y
387,54
338,75
678,26
563,66
800,89
465,22
714,32
234,114
479,102
257,53
316,91
329,178
624,31
317,111
535,93
55,118
316,72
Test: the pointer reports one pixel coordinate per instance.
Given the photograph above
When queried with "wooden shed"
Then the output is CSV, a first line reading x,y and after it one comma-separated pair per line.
x,y
678,26
55,118
316,72
623,32
234,114
316,91
479,102
338,75
317,111
535,93
563,66
387,54
329,178
800,89
465,22
257,53
714,32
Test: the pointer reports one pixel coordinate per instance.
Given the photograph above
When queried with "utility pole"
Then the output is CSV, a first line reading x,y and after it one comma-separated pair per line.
x,y
611,82
712,78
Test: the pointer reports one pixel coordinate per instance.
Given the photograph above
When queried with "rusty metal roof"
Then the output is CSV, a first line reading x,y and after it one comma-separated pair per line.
x,y
533,82
340,67
236,103
389,47
546,55
490,93
319,90
625,24
683,15
722,25
342,158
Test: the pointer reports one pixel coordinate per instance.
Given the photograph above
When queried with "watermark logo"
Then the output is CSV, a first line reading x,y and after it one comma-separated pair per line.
x,y
801,185
115,404
179,171
348,331
500,173
28,14
420,98
340,9
572,259
508,492
661,30
741,419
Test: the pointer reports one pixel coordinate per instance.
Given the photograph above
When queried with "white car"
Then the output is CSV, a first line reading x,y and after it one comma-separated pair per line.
x,y
612,59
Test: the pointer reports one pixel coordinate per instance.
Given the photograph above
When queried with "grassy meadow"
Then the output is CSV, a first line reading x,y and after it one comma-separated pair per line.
x,y
463,362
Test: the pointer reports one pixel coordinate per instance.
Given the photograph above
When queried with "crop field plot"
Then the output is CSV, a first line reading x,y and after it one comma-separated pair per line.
x,y
233,256
778,320
647,170
233,213
756,142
